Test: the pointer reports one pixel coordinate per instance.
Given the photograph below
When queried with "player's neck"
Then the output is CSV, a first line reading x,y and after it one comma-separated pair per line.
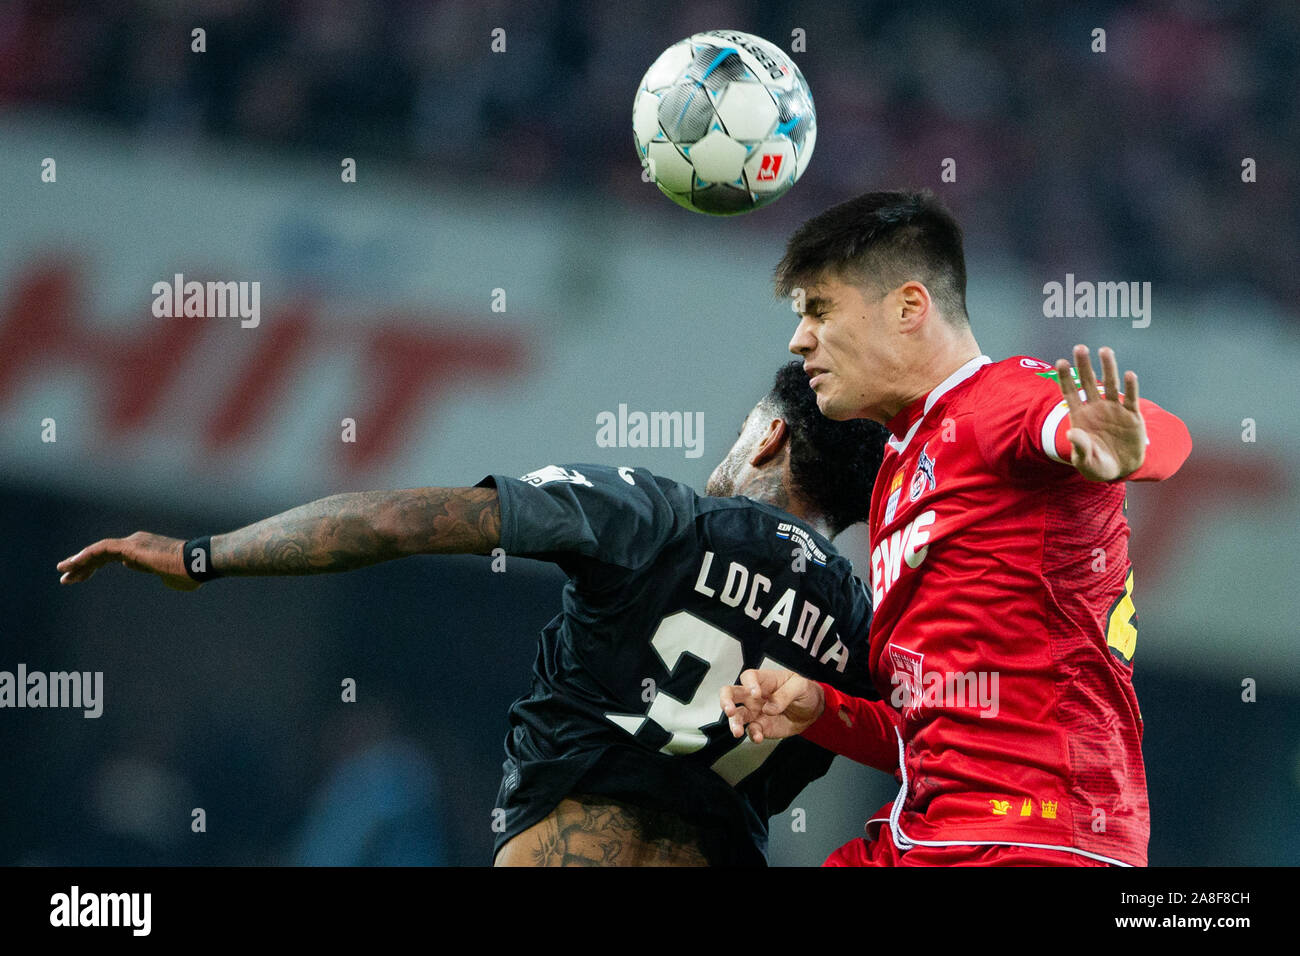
x,y
813,519
772,488
935,368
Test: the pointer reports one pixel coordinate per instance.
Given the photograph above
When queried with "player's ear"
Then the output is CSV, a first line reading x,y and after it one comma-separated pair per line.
x,y
770,445
914,305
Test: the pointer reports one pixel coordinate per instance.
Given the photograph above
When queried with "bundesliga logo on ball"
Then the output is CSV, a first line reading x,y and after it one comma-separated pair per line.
x,y
724,122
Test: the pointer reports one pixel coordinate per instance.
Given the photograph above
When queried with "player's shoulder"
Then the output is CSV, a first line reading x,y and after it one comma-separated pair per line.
x,y
1015,380
1021,369
742,508
601,491
619,478
768,526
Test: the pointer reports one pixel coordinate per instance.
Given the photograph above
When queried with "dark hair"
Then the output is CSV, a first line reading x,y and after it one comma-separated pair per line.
x,y
832,464
883,239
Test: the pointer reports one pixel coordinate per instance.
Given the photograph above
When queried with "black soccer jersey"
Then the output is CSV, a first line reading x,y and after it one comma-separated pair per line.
x,y
670,596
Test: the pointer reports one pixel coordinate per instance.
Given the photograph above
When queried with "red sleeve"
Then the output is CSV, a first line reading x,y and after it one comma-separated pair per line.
x,y
1021,415
1168,443
862,730
1025,419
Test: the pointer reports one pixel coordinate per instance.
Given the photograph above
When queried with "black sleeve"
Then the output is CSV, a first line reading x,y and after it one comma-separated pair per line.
x,y
857,679
580,515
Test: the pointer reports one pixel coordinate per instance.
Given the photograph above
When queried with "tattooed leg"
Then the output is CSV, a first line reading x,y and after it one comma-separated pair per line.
x,y
587,830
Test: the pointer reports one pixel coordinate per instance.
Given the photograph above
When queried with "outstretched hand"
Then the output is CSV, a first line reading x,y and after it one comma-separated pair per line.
x,y
771,703
141,551
1108,438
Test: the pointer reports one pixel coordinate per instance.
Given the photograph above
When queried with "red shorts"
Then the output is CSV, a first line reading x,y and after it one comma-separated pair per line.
x,y
882,852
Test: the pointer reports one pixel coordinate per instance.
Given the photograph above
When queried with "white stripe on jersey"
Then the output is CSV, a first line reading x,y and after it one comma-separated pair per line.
x,y
949,383
1050,425
905,843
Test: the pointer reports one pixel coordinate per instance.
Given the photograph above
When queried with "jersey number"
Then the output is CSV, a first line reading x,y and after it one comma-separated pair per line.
x,y
1121,627
688,721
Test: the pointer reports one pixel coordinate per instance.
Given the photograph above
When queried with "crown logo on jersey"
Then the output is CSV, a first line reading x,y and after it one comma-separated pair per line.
x,y
923,479
1049,809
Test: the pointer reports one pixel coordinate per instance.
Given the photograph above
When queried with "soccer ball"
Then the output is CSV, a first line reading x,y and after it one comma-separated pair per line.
x,y
724,122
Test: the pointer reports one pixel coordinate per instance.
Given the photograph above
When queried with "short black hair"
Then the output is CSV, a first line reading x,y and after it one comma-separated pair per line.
x,y
883,239
832,464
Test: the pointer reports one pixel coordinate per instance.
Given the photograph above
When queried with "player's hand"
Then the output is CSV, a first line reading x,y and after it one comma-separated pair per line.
x,y
771,703
1108,437
141,551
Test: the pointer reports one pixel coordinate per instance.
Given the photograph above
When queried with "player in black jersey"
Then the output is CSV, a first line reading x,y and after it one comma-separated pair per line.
x,y
621,754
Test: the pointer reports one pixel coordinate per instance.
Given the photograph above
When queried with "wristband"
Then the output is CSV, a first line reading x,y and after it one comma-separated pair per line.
x,y
189,558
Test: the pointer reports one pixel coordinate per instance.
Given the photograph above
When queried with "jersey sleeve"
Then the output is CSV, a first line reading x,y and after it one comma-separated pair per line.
x,y
586,516
862,730
856,679
1026,421
1168,443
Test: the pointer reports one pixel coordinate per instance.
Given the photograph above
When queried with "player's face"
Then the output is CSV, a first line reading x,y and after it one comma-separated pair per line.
x,y
850,349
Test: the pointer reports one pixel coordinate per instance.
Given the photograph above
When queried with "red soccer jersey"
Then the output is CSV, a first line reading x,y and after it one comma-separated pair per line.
x,y
1004,627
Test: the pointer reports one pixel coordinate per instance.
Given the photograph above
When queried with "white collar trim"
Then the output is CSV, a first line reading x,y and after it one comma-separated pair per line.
x,y
947,385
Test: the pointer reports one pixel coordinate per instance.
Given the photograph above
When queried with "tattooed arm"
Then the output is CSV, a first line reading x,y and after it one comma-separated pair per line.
x,y
337,533
349,531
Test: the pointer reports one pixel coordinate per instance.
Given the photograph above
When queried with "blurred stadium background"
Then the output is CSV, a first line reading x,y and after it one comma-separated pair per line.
x,y
480,171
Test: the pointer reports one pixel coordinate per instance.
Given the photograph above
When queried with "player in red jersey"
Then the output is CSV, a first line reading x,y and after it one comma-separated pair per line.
x,y
1004,623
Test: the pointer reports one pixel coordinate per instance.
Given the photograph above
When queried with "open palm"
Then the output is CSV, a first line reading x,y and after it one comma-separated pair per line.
x,y
1107,435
